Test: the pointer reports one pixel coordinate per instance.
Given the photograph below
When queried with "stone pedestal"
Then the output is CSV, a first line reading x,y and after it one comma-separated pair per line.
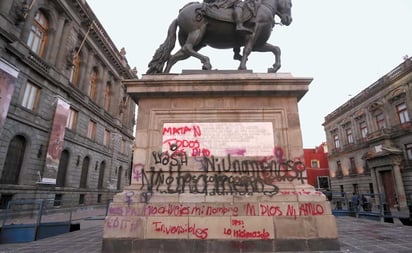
x,y
218,168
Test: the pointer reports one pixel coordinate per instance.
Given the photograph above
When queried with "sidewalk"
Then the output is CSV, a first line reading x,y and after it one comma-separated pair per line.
x,y
355,235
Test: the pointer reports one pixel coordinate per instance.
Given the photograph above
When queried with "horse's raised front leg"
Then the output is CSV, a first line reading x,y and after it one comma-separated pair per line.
x,y
276,51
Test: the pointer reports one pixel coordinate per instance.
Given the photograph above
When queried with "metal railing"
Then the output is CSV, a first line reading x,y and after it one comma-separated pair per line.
x,y
368,205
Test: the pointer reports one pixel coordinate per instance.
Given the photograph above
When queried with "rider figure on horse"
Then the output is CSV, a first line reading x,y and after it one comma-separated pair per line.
x,y
237,6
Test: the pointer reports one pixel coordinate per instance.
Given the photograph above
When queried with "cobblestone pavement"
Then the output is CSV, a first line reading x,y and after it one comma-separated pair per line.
x,y
355,235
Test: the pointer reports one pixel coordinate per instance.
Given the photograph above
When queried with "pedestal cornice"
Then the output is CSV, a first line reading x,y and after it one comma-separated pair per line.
x,y
216,83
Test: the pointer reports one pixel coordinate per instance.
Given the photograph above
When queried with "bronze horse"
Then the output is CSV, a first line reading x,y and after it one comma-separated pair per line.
x,y
197,30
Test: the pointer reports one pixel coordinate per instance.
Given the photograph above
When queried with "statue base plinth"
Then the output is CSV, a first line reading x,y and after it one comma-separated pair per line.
x,y
217,169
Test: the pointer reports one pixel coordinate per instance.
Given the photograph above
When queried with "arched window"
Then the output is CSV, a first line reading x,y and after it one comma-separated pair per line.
x,y
107,92
119,177
85,172
38,34
93,84
75,71
14,160
101,175
61,173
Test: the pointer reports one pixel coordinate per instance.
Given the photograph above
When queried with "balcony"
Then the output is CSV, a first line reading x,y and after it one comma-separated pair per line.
x,y
38,62
402,128
381,133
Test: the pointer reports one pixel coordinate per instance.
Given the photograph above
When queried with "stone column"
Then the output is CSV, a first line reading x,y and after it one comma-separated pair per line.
x,y
400,189
85,73
58,44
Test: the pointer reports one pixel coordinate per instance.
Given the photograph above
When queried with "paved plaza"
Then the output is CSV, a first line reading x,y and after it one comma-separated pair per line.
x,y
355,235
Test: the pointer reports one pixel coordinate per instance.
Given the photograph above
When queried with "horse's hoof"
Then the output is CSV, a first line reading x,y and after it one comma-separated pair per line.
x,y
273,70
237,57
207,67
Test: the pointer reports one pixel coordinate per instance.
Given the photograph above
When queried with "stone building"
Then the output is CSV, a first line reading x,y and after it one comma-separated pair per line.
x,y
66,121
370,141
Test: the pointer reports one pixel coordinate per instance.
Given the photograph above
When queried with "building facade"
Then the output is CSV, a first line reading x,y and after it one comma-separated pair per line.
x,y
370,141
66,121
317,166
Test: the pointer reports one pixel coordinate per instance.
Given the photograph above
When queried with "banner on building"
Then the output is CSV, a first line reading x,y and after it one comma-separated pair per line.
x,y
56,142
8,76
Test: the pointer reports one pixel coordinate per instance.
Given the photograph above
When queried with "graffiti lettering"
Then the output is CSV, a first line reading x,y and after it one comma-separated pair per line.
x,y
121,224
201,233
177,158
267,210
123,211
276,171
309,209
183,130
182,210
208,184
244,234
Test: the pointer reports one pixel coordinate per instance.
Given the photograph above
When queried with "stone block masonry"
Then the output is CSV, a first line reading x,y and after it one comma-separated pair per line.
x,y
218,168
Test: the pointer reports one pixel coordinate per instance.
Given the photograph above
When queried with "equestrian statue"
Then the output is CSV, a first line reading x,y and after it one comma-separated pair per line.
x,y
222,24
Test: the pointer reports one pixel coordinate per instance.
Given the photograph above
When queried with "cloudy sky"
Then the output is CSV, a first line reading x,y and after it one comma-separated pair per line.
x,y
344,45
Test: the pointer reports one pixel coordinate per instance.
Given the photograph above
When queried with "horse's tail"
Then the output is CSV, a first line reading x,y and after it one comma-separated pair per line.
x,y
162,54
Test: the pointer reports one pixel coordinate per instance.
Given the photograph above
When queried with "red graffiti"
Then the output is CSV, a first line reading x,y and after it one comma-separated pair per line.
x,y
201,233
237,222
309,209
268,210
181,210
245,234
183,130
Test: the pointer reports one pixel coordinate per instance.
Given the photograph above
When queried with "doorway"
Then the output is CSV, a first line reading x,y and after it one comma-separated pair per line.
x,y
388,184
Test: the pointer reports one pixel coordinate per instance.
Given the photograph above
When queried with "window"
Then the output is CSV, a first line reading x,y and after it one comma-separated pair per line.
x,y
101,175
336,141
349,135
75,71
93,84
107,96
363,129
353,170
339,172
408,148
402,113
380,120
106,138
72,119
371,189
38,34
91,131
314,163
31,96
84,174
119,178
323,182
63,165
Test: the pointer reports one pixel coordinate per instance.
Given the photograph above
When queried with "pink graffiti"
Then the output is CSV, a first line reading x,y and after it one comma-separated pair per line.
x,y
137,174
239,151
